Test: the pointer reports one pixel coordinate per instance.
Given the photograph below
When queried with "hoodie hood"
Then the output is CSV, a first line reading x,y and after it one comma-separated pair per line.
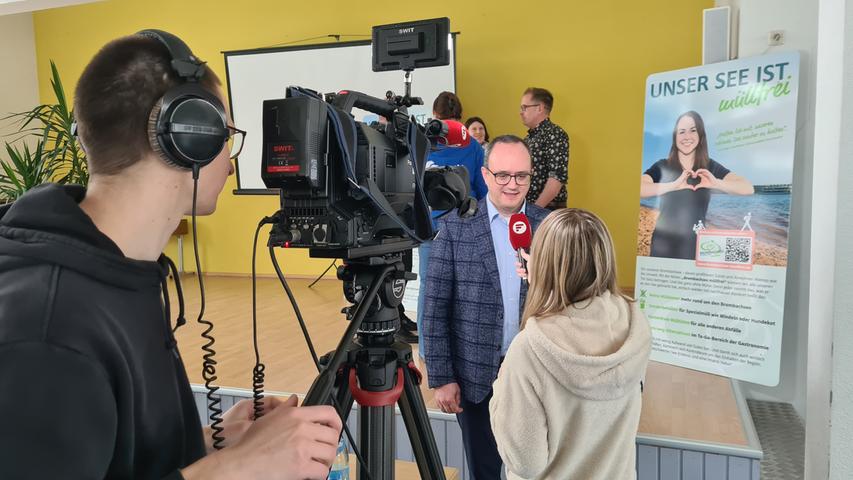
x,y
597,349
47,225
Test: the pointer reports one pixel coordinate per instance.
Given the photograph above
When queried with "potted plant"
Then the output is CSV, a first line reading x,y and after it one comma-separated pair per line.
x,y
25,169
56,155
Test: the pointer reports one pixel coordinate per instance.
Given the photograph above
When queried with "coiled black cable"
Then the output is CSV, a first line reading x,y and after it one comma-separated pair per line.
x,y
208,370
258,370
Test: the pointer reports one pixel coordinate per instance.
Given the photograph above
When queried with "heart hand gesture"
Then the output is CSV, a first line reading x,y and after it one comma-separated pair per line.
x,y
706,179
682,182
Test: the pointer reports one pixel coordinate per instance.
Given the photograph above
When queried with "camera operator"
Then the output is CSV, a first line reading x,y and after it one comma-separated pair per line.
x,y
91,381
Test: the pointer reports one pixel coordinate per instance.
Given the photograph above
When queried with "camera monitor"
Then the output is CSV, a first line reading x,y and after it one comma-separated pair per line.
x,y
410,45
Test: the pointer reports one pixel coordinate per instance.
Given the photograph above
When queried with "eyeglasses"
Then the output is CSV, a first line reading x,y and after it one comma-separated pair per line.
x,y
502,178
525,107
235,141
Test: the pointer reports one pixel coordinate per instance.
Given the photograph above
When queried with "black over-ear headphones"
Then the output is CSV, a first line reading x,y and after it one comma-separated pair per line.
x,y
190,127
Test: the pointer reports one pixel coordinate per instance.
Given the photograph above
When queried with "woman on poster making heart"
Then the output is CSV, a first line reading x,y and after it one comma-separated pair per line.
x,y
684,181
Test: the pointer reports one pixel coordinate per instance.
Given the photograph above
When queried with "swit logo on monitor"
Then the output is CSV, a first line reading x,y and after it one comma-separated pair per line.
x,y
519,227
283,148
406,30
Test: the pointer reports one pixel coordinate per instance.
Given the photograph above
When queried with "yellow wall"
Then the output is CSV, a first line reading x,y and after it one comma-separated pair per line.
x,y
594,56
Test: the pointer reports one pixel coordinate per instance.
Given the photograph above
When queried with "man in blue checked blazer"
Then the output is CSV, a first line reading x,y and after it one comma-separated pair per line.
x,y
474,299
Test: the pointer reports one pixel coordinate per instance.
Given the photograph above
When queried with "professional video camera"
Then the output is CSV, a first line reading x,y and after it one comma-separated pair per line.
x,y
362,193
349,189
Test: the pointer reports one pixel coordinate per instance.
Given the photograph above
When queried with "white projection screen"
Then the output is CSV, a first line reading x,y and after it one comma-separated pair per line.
x,y
263,74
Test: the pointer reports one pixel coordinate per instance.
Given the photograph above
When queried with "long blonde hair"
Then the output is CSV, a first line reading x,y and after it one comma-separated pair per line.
x,y
571,260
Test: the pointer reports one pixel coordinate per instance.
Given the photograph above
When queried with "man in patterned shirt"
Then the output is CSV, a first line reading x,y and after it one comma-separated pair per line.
x,y
549,148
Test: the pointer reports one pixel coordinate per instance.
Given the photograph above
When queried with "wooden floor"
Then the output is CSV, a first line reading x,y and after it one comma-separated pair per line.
x,y
677,402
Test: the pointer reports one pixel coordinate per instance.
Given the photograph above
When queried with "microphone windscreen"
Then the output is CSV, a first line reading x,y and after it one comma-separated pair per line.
x,y
457,134
520,235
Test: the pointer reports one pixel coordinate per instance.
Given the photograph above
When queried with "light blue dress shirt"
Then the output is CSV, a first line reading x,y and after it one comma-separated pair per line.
x,y
506,257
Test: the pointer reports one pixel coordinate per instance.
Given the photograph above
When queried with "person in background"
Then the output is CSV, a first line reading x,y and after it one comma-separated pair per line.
x,y
477,128
448,107
91,378
549,147
568,396
474,298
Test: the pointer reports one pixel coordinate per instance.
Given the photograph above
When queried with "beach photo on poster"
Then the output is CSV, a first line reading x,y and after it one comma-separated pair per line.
x,y
769,219
710,163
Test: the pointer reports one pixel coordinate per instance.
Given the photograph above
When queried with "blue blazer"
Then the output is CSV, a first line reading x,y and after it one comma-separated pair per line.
x,y
463,309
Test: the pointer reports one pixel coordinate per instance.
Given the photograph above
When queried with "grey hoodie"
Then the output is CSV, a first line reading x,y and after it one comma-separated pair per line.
x,y
567,400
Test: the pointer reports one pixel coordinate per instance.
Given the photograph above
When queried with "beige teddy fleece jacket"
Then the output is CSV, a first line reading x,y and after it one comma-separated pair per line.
x,y
567,400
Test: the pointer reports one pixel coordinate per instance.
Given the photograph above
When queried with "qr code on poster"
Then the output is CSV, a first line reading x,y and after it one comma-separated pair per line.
x,y
738,249
725,249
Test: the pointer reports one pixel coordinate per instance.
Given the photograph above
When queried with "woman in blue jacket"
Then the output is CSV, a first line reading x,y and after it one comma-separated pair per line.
x,y
467,153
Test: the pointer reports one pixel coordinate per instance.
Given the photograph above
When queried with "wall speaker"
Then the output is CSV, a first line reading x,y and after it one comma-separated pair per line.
x,y
716,34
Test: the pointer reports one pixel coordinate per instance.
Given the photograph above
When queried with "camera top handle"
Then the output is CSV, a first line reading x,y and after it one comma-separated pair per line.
x,y
346,100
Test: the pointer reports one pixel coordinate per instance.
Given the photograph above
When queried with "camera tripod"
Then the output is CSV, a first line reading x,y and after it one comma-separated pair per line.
x,y
370,367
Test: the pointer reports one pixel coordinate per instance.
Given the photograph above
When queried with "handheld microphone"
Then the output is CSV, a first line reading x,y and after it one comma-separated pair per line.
x,y
520,235
448,132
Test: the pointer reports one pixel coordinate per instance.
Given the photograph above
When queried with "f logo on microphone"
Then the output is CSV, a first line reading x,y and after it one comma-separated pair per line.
x,y
520,231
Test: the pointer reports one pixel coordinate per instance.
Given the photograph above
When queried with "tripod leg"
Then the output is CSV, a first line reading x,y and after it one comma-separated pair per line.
x,y
376,439
420,432
342,398
343,403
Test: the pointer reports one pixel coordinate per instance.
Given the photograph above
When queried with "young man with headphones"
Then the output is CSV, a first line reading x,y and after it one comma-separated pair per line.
x,y
91,381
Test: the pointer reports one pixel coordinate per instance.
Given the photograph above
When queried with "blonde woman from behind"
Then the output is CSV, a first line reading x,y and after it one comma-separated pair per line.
x,y
567,400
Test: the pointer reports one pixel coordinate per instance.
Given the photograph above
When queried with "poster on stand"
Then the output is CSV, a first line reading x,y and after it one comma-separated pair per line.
x,y
715,203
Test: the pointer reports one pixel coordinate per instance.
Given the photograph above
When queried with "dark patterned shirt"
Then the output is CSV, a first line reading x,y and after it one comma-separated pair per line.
x,y
549,149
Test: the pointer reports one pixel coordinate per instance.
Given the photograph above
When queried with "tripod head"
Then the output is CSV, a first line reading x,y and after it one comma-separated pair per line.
x,y
375,285
382,318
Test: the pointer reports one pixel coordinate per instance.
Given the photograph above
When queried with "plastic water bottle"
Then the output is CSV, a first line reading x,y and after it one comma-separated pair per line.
x,y
340,467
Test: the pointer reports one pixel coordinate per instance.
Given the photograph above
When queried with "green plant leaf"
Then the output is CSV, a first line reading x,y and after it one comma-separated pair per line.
x,y
56,157
56,83
13,185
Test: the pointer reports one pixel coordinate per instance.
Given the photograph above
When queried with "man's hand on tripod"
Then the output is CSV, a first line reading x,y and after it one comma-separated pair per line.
x,y
449,397
287,443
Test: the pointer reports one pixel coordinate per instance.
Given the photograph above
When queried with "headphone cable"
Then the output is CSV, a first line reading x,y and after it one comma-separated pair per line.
x,y
208,371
